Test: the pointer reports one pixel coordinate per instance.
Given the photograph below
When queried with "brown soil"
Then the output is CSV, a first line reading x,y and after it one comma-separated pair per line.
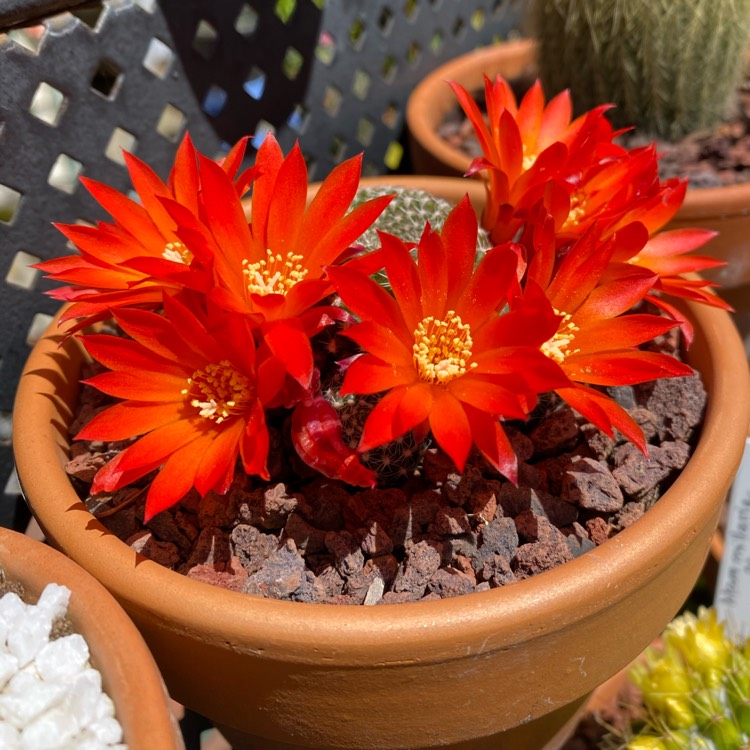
x,y
437,534
711,158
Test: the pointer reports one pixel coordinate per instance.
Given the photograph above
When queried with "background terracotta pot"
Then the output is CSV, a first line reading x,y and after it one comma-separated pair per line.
x,y
723,209
500,669
129,674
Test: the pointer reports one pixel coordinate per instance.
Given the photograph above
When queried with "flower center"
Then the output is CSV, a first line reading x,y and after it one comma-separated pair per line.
x,y
442,348
219,391
558,347
177,252
577,210
277,274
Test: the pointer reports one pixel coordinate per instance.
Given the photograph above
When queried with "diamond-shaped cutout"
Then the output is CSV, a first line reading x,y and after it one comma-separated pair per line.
x,y
255,83
159,58
357,33
91,15
246,21
284,9
478,19
292,63
39,324
29,37
64,174
9,201
365,131
325,51
297,119
262,129
47,103
459,27
120,141
436,41
393,155
332,99
171,123
411,9
390,116
337,149
361,84
389,69
385,21
413,53
6,436
205,40
107,79
214,101
20,274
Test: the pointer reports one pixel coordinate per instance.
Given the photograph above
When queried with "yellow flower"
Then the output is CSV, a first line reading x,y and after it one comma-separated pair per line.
x,y
703,643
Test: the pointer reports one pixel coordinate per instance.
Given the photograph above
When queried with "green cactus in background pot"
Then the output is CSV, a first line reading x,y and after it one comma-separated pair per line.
x,y
671,67
695,688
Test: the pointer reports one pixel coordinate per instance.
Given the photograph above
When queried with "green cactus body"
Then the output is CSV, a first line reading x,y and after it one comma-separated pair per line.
x,y
405,216
695,689
671,67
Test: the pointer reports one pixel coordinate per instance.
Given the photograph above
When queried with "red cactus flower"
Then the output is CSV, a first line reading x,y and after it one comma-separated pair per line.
x,y
538,125
273,268
194,391
596,341
527,147
133,259
670,254
449,363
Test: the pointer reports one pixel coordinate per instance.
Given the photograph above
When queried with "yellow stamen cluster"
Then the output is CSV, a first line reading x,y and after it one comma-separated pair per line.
x,y
177,252
277,274
442,348
219,391
559,346
577,210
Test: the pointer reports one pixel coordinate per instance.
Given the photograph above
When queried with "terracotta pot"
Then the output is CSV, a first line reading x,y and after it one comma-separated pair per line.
x,y
722,209
500,669
129,674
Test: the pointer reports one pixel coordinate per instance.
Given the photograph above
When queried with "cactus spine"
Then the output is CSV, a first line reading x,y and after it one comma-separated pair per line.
x,y
670,66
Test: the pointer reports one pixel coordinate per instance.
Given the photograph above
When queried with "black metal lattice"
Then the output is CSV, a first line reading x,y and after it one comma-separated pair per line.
x,y
78,86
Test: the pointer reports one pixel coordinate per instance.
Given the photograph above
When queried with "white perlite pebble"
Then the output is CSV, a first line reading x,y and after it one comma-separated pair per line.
x,y
51,697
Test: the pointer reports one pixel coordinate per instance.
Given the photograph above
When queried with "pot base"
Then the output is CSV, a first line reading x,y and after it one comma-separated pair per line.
x,y
549,732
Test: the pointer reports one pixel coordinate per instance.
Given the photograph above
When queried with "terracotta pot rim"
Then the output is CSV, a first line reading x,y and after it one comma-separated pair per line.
x,y
427,106
342,629
117,648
